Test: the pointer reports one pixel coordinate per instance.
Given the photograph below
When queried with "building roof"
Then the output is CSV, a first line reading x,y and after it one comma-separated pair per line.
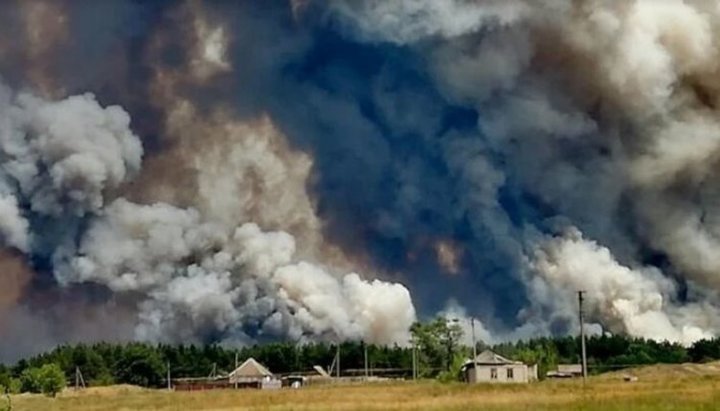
x,y
570,368
250,369
488,357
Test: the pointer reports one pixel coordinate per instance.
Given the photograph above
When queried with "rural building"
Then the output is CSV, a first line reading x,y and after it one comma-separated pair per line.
x,y
250,374
253,374
489,367
566,371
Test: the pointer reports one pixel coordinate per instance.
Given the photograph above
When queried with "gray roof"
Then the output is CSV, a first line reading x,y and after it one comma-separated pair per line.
x,y
250,369
488,357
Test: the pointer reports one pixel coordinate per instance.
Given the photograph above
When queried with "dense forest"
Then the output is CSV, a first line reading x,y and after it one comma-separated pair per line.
x,y
438,351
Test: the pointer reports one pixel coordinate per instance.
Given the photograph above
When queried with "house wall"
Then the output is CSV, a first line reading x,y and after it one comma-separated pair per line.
x,y
521,374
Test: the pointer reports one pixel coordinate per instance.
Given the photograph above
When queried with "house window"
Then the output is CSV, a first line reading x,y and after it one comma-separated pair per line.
x,y
510,374
493,373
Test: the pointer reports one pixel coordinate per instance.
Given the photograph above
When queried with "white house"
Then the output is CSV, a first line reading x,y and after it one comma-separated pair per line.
x,y
489,367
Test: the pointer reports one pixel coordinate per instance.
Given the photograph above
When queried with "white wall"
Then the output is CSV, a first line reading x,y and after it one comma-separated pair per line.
x,y
521,374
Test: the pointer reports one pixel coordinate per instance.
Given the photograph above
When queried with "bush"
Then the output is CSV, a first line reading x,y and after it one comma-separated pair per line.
x,y
454,373
48,379
30,380
10,386
52,379
5,402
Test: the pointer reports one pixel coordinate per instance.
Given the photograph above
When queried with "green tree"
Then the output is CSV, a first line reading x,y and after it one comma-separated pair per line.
x,y
437,343
705,350
52,379
5,377
30,380
453,373
141,365
48,379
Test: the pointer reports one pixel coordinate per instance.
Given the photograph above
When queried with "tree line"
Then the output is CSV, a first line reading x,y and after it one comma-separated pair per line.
x,y
437,349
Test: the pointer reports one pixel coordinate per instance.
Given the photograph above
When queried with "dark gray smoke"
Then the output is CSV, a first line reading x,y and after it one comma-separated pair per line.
x,y
490,156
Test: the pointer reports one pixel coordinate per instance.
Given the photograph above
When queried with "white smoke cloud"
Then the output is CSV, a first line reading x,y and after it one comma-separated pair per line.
x,y
635,301
63,156
200,278
59,158
13,227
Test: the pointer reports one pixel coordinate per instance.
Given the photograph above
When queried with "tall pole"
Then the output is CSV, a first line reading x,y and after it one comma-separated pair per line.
x,y
582,334
169,379
236,367
366,361
414,359
474,348
79,380
337,355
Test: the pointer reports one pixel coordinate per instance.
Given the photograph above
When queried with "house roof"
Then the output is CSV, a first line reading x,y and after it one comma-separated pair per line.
x,y
251,369
488,357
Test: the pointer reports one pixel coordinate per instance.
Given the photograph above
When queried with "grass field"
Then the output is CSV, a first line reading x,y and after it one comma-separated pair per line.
x,y
687,387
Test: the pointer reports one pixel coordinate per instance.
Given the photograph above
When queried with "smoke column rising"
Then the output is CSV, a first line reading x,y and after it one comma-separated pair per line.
x,y
311,170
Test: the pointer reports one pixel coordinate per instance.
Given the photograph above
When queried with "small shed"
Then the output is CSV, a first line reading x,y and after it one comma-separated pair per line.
x,y
489,367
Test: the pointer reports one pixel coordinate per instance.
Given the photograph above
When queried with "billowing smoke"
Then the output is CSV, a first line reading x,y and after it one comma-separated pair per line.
x,y
638,301
464,157
604,114
195,278
205,278
58,159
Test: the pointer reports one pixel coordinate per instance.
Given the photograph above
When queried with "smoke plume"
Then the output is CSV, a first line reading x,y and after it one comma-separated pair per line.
x,y
313,170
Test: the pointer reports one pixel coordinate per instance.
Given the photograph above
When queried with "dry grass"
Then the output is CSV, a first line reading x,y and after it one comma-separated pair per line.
x,y
658,388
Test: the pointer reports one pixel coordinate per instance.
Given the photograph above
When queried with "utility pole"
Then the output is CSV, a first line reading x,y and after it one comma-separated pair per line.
x,y
236,367
337,355
79,380
169,377
582,334
366,360
414,359
474,347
